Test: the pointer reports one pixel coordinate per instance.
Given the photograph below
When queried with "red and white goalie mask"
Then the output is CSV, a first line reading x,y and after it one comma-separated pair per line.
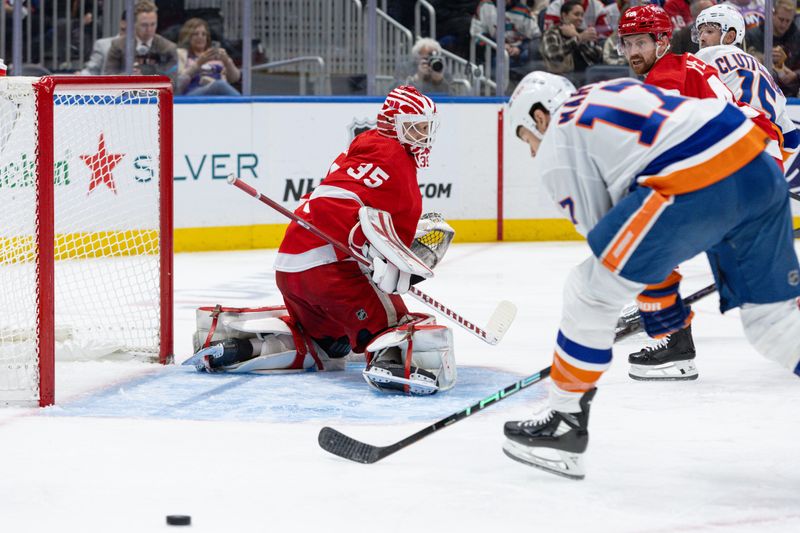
x,y
410,117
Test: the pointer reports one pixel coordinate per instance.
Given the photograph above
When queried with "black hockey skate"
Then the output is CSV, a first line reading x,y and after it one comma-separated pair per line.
x,y
672,359
554,442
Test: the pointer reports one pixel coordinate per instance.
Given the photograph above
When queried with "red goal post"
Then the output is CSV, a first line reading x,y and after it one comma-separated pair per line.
x,y
86,263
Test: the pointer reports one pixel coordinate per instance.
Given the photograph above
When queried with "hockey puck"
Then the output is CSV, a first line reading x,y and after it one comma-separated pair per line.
x,y
179,520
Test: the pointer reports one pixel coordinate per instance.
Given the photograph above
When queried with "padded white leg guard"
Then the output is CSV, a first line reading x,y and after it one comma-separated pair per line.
x,y
415,359
774,330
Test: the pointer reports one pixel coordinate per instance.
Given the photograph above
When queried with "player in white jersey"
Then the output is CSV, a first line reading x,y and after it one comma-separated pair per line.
x,y
718,30
651,179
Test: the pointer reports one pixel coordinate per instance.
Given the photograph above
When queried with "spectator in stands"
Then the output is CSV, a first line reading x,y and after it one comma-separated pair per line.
x,y
153,54
204,68
520,27
595,15
680,13
786,46
426,70
453,21
752,11
96,63
611,52
567,48
682,39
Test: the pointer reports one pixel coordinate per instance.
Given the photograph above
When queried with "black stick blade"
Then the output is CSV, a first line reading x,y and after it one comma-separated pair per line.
x,y
340,444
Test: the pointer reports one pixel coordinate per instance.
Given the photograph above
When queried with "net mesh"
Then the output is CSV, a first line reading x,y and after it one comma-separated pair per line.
x,y
107,222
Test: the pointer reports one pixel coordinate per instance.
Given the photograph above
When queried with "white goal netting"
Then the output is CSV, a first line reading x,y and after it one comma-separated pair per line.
x,y
106,228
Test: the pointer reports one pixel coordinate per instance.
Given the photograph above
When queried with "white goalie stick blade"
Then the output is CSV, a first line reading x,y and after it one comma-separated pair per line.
x,y
501,320
565,464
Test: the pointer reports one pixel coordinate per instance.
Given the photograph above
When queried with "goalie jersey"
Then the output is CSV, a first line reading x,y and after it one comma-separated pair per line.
x,y
609,137
375,171
752,84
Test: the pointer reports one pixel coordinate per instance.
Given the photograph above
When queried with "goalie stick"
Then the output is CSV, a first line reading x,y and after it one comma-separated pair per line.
x,y
338,443
498,324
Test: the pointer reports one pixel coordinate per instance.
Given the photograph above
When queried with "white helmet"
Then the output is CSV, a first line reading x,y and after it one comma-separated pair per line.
x,y
726,16
538,87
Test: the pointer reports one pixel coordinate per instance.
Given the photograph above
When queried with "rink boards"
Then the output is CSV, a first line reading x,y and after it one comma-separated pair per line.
x,y
480,178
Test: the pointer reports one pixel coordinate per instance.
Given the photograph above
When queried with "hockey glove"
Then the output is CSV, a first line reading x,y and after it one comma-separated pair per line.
x,y
662,308
392,262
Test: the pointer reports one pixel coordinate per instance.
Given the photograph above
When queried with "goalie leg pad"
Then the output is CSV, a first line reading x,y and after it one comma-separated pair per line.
x,y
258,342
414,358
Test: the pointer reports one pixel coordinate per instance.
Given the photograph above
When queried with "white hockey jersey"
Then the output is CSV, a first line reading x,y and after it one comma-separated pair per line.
x,y
752,84
611,134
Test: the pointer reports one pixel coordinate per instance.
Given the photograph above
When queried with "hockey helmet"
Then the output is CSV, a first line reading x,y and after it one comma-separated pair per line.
x,y
647,18
410,117
726,17
550,90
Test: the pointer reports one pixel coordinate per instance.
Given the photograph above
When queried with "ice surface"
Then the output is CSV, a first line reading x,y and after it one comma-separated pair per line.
x,y
129,443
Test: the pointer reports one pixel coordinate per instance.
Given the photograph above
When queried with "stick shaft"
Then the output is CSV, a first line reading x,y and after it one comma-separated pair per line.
x,y
415,292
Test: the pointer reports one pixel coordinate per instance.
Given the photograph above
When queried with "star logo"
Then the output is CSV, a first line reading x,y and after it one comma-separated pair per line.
x,y
101,164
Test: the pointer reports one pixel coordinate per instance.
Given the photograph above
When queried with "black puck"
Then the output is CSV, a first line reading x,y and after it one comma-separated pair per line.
x,y
179,520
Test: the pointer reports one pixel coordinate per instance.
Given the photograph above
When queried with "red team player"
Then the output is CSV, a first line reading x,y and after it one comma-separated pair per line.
x,y
333,305
645,33
636,170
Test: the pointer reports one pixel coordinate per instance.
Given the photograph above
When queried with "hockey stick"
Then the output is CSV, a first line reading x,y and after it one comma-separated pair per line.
x,y
794,196
338,443
499,322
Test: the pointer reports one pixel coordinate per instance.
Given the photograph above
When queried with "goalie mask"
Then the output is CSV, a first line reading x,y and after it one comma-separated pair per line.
x,y
410,117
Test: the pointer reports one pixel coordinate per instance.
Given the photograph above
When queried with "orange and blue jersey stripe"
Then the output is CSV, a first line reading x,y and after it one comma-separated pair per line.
x,y
718,149
576,367
624,243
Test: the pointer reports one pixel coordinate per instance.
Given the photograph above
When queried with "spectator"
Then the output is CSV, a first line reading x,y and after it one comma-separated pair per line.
x,y
426,70
204,68
682,41
786,46
595,15
611,49
153,53
453,21
752,11
568,49
96,63
680,13
520,27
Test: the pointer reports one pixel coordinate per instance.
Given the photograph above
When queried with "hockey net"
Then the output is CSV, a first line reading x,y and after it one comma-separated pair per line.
x,y
85,225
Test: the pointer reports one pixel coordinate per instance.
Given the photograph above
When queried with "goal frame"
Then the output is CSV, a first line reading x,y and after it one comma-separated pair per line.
x,y
45,89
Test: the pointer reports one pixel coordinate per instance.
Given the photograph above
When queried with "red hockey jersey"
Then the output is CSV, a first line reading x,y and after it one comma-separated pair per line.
x,y
375,171
689,76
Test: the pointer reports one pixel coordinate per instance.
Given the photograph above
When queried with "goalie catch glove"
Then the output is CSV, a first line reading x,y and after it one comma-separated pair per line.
x,y
432,239
392,263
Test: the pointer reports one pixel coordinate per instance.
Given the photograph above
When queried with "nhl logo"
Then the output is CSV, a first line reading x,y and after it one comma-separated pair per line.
x,y
794,278
361,314
359,126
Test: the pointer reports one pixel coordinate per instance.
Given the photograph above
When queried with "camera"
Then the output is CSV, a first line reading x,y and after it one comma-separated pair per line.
x,y
436,63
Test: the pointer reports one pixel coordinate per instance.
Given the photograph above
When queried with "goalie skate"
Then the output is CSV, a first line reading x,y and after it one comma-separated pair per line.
x,y
671,359
554,442
386,376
